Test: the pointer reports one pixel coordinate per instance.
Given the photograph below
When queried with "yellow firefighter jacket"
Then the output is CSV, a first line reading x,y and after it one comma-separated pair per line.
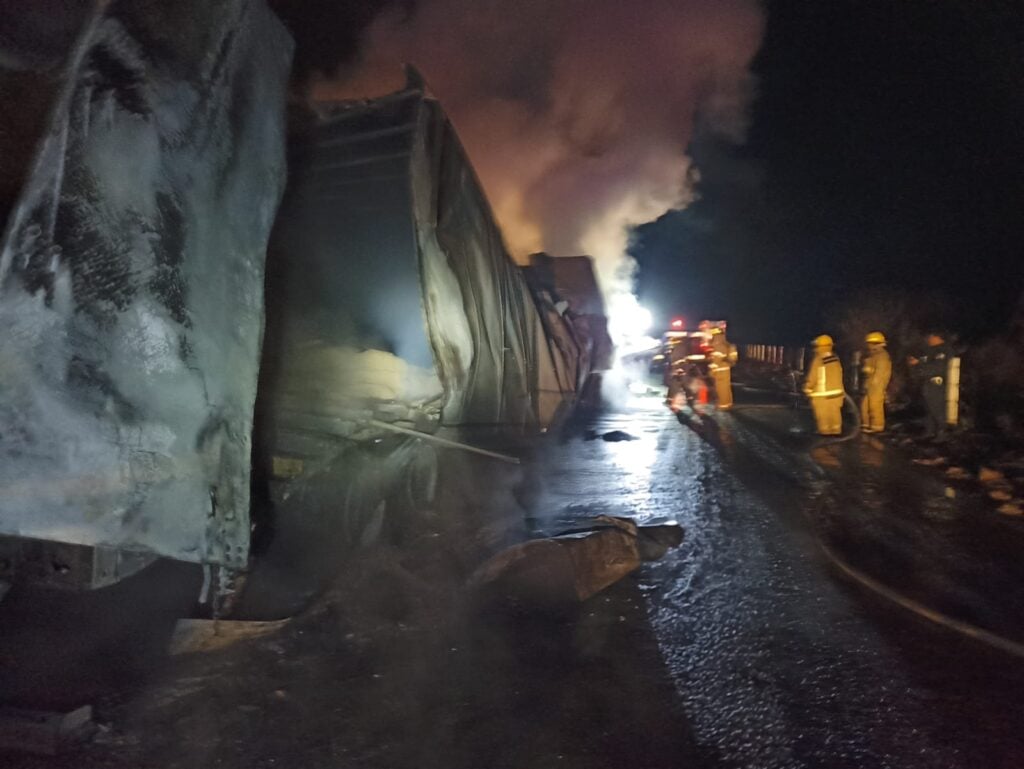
x,y
723,354
877,370
824,377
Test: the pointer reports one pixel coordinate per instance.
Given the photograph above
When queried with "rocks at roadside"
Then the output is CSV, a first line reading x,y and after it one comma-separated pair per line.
x,y
989,476
1011,466
972,460
995,484
999,489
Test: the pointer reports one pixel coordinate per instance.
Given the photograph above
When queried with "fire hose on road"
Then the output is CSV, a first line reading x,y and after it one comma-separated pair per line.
x,y
964,628
938,618
856,425
873,585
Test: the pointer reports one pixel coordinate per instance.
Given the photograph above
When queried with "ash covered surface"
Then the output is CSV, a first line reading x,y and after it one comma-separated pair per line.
x,y
397,665
131,283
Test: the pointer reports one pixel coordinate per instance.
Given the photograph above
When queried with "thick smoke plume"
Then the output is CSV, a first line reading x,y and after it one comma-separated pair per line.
x,y
576,113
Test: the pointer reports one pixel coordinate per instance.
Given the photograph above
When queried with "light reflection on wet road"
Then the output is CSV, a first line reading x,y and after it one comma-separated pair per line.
x,y
778,663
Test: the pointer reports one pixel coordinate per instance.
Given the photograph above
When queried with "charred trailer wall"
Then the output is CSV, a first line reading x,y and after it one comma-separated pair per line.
x,y
572,284
487,355
572,280
391,295
391,298
346,332
131,283
562,354
346,339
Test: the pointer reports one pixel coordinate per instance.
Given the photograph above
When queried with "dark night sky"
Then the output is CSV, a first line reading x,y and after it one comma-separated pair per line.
x,y
886,150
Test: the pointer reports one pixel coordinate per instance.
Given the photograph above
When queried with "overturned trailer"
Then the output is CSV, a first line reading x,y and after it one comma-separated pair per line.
x,y
131,293
132,298
390,292
394,309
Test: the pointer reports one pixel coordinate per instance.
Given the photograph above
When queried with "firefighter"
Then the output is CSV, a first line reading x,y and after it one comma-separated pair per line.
x,y
676,362
932,367
877,371
723,357
824,387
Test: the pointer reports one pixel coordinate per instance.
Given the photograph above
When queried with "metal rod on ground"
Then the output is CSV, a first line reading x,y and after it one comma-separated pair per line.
x,y
444,441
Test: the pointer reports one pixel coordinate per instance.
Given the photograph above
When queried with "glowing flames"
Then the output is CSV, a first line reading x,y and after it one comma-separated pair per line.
x,y
577,113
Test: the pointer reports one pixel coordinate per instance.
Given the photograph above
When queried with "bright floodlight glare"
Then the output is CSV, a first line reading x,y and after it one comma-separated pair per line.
x,y
633,320
628,324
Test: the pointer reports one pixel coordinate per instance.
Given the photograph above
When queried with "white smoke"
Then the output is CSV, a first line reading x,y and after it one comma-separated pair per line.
x,y
576,113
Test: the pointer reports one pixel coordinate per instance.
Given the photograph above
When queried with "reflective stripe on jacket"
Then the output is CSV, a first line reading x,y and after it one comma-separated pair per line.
x,y
825,377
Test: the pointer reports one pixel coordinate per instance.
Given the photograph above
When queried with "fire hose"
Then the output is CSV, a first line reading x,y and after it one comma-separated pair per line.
x,y
856,427
870,583
964,628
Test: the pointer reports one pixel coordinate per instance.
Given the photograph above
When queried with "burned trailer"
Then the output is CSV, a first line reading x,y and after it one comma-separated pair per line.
x,y
132,288
394,310
131,292
569,285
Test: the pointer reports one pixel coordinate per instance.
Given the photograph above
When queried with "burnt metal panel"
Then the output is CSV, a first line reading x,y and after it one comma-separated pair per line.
x,y
131,283
343,254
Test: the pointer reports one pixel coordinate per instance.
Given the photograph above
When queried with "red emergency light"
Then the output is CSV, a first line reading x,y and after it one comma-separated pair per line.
x,y
677,323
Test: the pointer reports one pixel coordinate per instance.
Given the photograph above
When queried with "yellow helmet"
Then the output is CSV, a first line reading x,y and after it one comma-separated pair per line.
x,y
875,337
823,341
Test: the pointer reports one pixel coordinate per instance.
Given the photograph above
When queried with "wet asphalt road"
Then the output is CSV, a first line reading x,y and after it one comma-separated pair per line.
x,y
744,647
777,660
